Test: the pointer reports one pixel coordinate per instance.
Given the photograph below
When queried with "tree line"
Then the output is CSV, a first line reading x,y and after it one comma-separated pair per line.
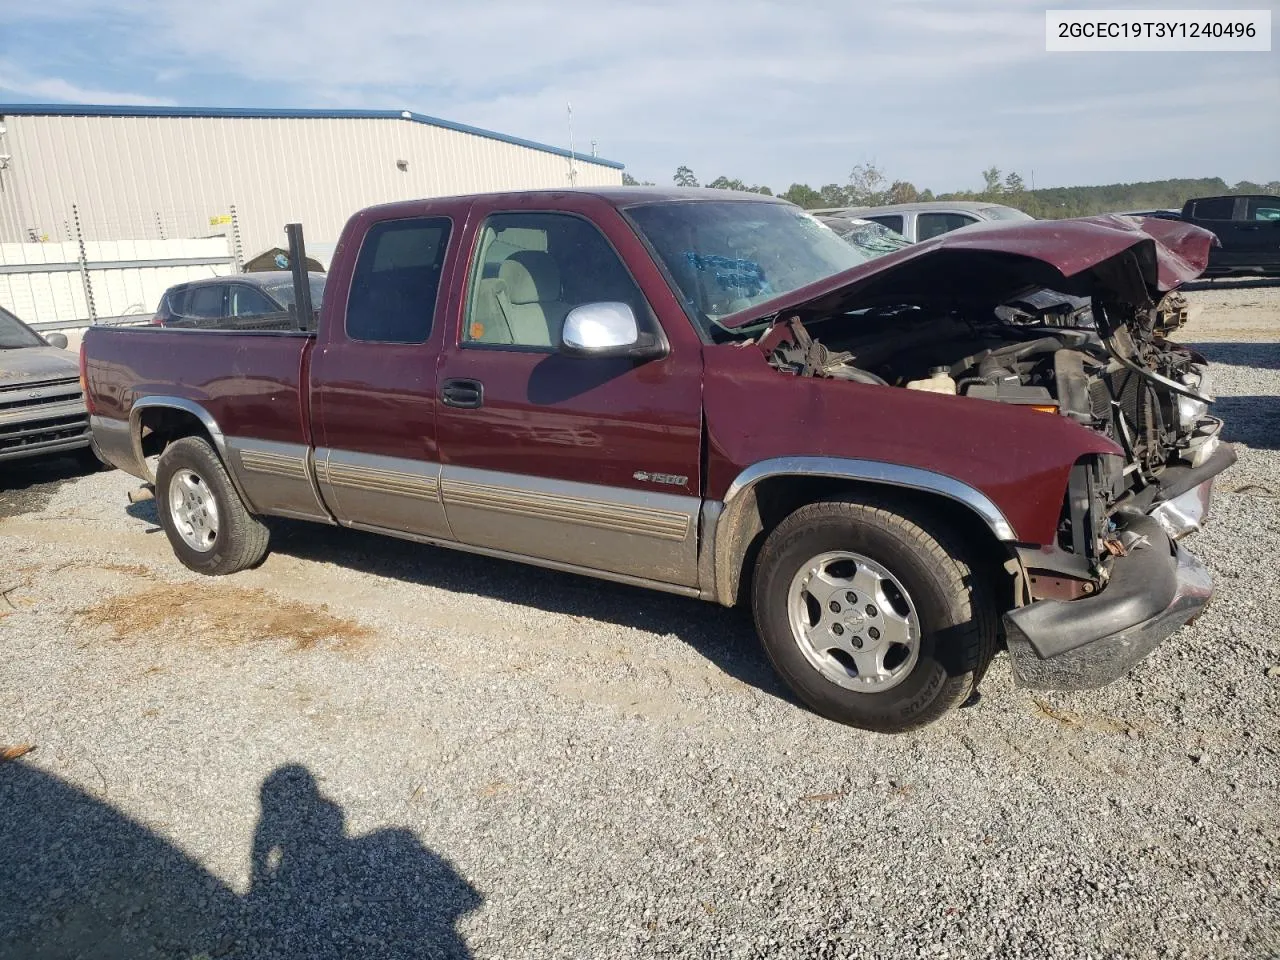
x,y
868,186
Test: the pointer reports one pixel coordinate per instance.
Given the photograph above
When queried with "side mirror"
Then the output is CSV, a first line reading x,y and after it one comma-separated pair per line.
x,y
58,340
607,329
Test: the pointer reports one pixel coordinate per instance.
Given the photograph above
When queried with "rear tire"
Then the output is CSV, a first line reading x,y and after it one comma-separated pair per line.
x,y
871,613
203,516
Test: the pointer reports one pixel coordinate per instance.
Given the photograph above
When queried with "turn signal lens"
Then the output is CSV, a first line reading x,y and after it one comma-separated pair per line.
x,y
1045,407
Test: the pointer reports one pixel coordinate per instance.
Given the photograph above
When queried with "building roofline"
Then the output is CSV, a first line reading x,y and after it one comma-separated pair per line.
x,y
256,113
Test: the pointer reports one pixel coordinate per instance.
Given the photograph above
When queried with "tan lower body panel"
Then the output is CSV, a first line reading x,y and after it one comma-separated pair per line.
x,y
387,492
276,478
633,533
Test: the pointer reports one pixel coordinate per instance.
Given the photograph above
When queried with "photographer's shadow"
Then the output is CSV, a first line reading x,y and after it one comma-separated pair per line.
x,y
318,893
79,878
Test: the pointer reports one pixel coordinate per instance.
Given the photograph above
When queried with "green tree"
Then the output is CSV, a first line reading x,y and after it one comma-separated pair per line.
x,y
992,176
724,183
833,195
684,177
802,195
1013,183
867,186
903,191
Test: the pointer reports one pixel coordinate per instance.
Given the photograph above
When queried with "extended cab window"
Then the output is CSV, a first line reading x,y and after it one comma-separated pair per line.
x,y
936,224
397,277
531,269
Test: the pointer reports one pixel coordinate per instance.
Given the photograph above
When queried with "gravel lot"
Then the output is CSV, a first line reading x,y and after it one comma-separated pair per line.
x,y
367,748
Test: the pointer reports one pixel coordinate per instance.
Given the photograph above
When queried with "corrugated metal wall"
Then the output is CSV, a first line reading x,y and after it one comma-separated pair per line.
x,y
167,177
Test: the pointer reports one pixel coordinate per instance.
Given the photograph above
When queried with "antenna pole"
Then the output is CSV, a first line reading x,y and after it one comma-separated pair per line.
x,y
573,173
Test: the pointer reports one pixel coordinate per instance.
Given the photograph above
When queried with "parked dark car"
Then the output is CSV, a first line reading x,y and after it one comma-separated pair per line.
x,y
243,301
713,395
1248,229
42,409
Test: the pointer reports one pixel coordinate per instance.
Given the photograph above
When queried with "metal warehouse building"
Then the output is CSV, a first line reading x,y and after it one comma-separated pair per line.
x,y
70,173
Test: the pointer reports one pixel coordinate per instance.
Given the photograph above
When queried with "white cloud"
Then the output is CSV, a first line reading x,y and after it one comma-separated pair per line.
x,y
934,90
14,80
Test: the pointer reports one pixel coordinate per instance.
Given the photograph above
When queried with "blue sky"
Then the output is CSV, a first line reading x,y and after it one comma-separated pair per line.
x,y
932,92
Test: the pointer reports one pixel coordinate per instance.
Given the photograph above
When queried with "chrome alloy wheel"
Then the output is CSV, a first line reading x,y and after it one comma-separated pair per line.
x,y
854,621
194,510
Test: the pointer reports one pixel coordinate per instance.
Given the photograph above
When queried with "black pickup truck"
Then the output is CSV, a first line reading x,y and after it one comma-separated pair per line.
x,y
1248,227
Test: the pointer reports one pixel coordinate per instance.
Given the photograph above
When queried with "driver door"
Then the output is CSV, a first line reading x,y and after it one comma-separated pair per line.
x,y
588,462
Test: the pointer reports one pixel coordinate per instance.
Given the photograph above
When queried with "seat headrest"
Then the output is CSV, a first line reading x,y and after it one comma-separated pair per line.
x,y
531,276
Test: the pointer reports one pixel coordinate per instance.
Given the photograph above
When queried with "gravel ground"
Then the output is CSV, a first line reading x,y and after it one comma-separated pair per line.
x,y
367,748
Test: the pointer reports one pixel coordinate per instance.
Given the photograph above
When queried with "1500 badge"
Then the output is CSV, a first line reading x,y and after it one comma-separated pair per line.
x,y
670,479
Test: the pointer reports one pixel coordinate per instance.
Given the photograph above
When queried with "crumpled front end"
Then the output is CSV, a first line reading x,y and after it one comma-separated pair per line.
x,y
1154,590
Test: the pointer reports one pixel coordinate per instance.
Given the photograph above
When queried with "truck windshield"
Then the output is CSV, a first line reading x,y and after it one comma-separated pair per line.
x,y
726,256
15,334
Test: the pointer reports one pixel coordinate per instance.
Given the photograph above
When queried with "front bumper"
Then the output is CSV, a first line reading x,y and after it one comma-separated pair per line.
x,y
1078,644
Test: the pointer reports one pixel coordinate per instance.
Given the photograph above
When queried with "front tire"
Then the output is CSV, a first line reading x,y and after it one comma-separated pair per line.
x,y
203,516
872,614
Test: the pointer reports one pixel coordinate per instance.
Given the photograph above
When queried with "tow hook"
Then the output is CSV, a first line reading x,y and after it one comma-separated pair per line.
x,y
145,492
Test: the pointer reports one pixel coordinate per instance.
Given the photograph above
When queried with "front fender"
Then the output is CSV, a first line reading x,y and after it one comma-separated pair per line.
x,y
1009,464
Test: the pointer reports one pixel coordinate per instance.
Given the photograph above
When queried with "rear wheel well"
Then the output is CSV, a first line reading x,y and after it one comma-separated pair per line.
x,y
160,426
773,499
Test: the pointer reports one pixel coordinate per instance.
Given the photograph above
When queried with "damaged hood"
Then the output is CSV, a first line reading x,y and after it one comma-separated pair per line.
x,y
1132,260
22,364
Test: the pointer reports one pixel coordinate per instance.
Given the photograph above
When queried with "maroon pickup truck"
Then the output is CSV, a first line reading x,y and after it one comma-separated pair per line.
x,y
713,395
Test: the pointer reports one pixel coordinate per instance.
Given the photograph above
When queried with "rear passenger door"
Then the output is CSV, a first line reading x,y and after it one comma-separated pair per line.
x,y
373,389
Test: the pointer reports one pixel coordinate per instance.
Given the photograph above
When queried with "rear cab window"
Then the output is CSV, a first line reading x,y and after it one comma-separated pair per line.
x,y
397,280
1215,208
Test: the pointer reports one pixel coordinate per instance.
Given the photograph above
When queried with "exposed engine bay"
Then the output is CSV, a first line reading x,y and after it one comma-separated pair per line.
x,y
1107,366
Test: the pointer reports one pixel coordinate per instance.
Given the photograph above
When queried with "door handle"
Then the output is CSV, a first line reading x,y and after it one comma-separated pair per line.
x,y
467,394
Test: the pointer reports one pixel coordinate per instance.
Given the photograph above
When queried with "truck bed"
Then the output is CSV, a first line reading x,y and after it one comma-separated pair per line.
x,y
250,382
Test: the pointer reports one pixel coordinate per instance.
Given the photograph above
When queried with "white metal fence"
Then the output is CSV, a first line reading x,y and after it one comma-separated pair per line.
x,y
78,283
